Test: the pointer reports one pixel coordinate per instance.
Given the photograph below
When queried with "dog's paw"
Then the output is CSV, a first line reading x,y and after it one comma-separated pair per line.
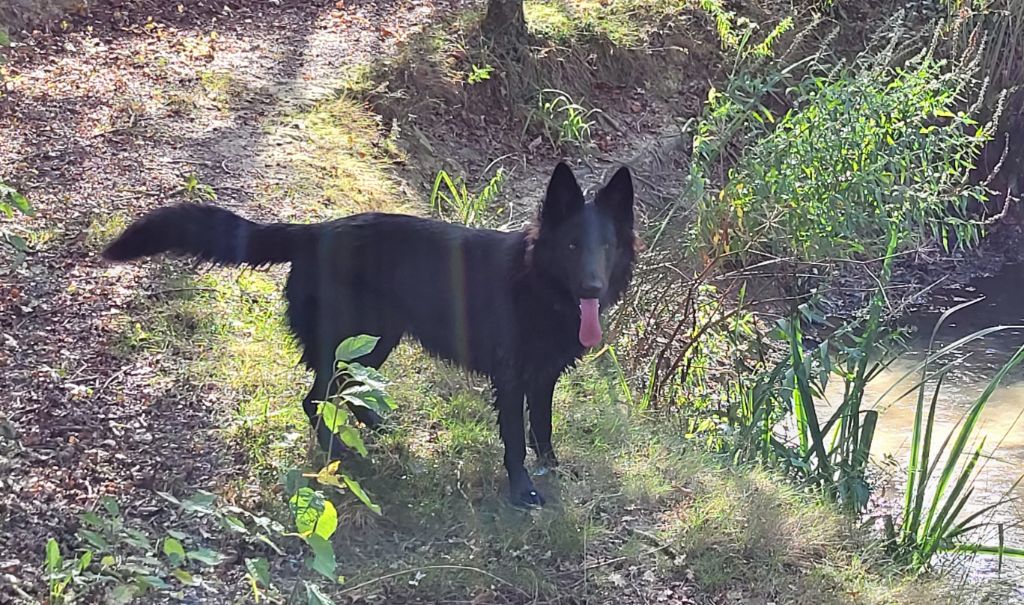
x,y
527,498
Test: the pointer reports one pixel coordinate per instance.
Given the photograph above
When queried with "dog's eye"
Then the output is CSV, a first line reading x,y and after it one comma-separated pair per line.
x,y
572,245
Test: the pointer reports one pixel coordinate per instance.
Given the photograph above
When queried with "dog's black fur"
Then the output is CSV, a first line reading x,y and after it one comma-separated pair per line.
x,y
502,304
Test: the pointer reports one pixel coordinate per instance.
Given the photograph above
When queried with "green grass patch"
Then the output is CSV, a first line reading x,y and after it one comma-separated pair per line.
x,y
632,496
226,330
623,23
342,163
102,229
220,87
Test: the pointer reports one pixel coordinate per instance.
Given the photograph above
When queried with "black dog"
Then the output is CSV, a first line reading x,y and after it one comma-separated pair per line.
x,y
518,307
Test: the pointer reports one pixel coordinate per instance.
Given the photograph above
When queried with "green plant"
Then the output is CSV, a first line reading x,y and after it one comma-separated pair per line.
x,y
315,516
452,200
562,119
257,530
869,147
194,189
736,33
60,573
939,482
479,74
832,455
123,558
10,202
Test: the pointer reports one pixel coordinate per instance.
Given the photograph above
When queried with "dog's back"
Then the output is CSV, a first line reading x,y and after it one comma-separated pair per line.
x,y
449,286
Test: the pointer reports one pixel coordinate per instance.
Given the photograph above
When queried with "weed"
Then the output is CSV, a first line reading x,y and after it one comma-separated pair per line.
x,y
344,168
625,23
103,228
452,200
830,454
939,482
737,33
217,84
563,120
868,147
122,556
61,573
194,189
479,74
10,202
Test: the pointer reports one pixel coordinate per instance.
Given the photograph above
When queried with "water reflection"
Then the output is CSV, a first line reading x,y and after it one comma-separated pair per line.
x,y
1001,425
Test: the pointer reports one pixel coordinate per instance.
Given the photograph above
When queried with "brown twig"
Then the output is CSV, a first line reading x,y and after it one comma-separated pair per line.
x,y
405,572
160,293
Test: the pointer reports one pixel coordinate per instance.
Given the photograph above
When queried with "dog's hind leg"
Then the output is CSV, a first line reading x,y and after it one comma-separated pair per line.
x,y
374,359
328,441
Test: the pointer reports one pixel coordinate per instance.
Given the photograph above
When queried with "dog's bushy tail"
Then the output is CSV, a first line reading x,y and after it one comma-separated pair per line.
x,y
210,234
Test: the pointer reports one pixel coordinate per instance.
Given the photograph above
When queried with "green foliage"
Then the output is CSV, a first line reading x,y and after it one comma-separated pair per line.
x,y
61,573
622,23
940,480
194,189
479,74
451,199
830,454
12,201
868,147
314,515
124,562
562,120
737,33
315,518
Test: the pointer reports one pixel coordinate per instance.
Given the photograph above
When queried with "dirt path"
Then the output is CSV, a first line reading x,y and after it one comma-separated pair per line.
x,y
100,126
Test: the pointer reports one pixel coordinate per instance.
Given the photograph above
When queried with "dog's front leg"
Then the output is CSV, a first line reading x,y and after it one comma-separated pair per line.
x,y
538,398
513,435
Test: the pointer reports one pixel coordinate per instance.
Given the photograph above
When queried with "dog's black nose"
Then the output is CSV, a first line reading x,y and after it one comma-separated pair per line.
x,y
591,290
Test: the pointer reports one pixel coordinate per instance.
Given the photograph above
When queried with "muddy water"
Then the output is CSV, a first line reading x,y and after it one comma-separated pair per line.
x,y
1002,426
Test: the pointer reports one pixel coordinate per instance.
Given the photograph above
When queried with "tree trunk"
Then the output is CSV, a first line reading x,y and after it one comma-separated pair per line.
x,y
505,21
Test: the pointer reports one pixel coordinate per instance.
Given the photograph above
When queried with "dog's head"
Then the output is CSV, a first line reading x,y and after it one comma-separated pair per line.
x,y
586,249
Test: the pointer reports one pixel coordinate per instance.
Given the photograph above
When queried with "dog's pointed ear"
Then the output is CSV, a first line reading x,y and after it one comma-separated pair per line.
x,y
563,197
616,198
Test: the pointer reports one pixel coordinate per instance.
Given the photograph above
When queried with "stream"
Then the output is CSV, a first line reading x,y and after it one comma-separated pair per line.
x,y
1003,304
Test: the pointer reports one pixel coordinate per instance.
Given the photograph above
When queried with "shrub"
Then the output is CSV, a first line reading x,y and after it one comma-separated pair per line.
x,y
868,147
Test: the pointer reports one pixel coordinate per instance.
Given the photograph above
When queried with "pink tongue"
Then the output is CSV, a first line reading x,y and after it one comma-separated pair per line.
x,y
590,327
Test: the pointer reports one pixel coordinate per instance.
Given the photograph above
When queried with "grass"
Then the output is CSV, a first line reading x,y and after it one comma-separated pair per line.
x,y
219,86
623,23
341,161
103,228
228,325
577,47
632,498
